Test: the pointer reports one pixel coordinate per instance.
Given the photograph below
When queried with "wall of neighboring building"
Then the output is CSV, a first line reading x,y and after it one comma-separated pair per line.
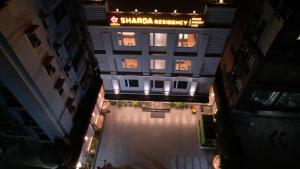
x,y
44,50
260,66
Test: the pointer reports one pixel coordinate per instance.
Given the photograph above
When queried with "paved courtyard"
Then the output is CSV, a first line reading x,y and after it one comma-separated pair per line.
x,y
132,138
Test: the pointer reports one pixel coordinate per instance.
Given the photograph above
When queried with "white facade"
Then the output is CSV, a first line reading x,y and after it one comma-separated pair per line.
x,y
33,65
132,58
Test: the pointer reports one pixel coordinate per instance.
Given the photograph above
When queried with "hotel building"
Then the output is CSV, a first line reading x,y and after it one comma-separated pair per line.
x,y
158,50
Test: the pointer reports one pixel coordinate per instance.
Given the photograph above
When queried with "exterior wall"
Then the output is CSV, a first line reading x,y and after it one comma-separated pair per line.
x,y
205,55
260,58
202,84
39,61
209,42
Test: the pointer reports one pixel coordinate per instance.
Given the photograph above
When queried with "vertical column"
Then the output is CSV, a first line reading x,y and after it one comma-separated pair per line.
x,y
146,86
145,59
202,41
171,45
108,46
193,88
167,87
116,86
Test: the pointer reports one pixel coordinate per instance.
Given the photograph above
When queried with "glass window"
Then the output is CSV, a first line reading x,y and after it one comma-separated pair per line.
x,y
158,39
131,83
183,65
157,64
186,40
180,84
126,39
157,84
129,63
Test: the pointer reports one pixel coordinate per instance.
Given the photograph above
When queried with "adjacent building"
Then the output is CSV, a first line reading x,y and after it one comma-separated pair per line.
x,y
158,50
46,69
260,66
257,84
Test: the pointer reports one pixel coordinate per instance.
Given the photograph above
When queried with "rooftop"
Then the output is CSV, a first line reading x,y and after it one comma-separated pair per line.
x,y
165,6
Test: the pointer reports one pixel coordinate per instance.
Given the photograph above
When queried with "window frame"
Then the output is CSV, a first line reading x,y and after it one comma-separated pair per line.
x,y
127,83
182,60
152,64
152,34
120,37
181,40
123,60
176,83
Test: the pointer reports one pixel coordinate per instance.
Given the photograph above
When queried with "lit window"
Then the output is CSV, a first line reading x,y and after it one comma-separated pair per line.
x,y
180,84
131,83
183,65
129,63
157,64
158,39
126,39
186,40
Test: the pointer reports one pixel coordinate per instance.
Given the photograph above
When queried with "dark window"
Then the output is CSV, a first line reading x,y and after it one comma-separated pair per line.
x,y
133,83
59,12
260,29
175,84
34,40
159,84
126,83
46,62
182,85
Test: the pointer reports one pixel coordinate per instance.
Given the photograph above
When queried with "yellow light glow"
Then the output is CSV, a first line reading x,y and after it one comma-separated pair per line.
x,y
152,20
117,10
155,10
175,11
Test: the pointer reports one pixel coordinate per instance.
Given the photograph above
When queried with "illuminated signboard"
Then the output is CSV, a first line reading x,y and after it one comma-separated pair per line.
x,y
156,20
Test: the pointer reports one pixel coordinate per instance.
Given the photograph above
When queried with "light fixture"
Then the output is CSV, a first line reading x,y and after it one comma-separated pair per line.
x,y
86,138
194,12
193,88
167,93
116,91
146,92
175,11
116,87
117,10
155,10
135,10
298,37
221,1
79,165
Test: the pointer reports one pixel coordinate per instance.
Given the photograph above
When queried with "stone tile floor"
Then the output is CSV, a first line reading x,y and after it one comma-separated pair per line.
x,y
132,138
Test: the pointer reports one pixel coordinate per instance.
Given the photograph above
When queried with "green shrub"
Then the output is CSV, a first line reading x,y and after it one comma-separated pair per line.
x,y
113,102
136,103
